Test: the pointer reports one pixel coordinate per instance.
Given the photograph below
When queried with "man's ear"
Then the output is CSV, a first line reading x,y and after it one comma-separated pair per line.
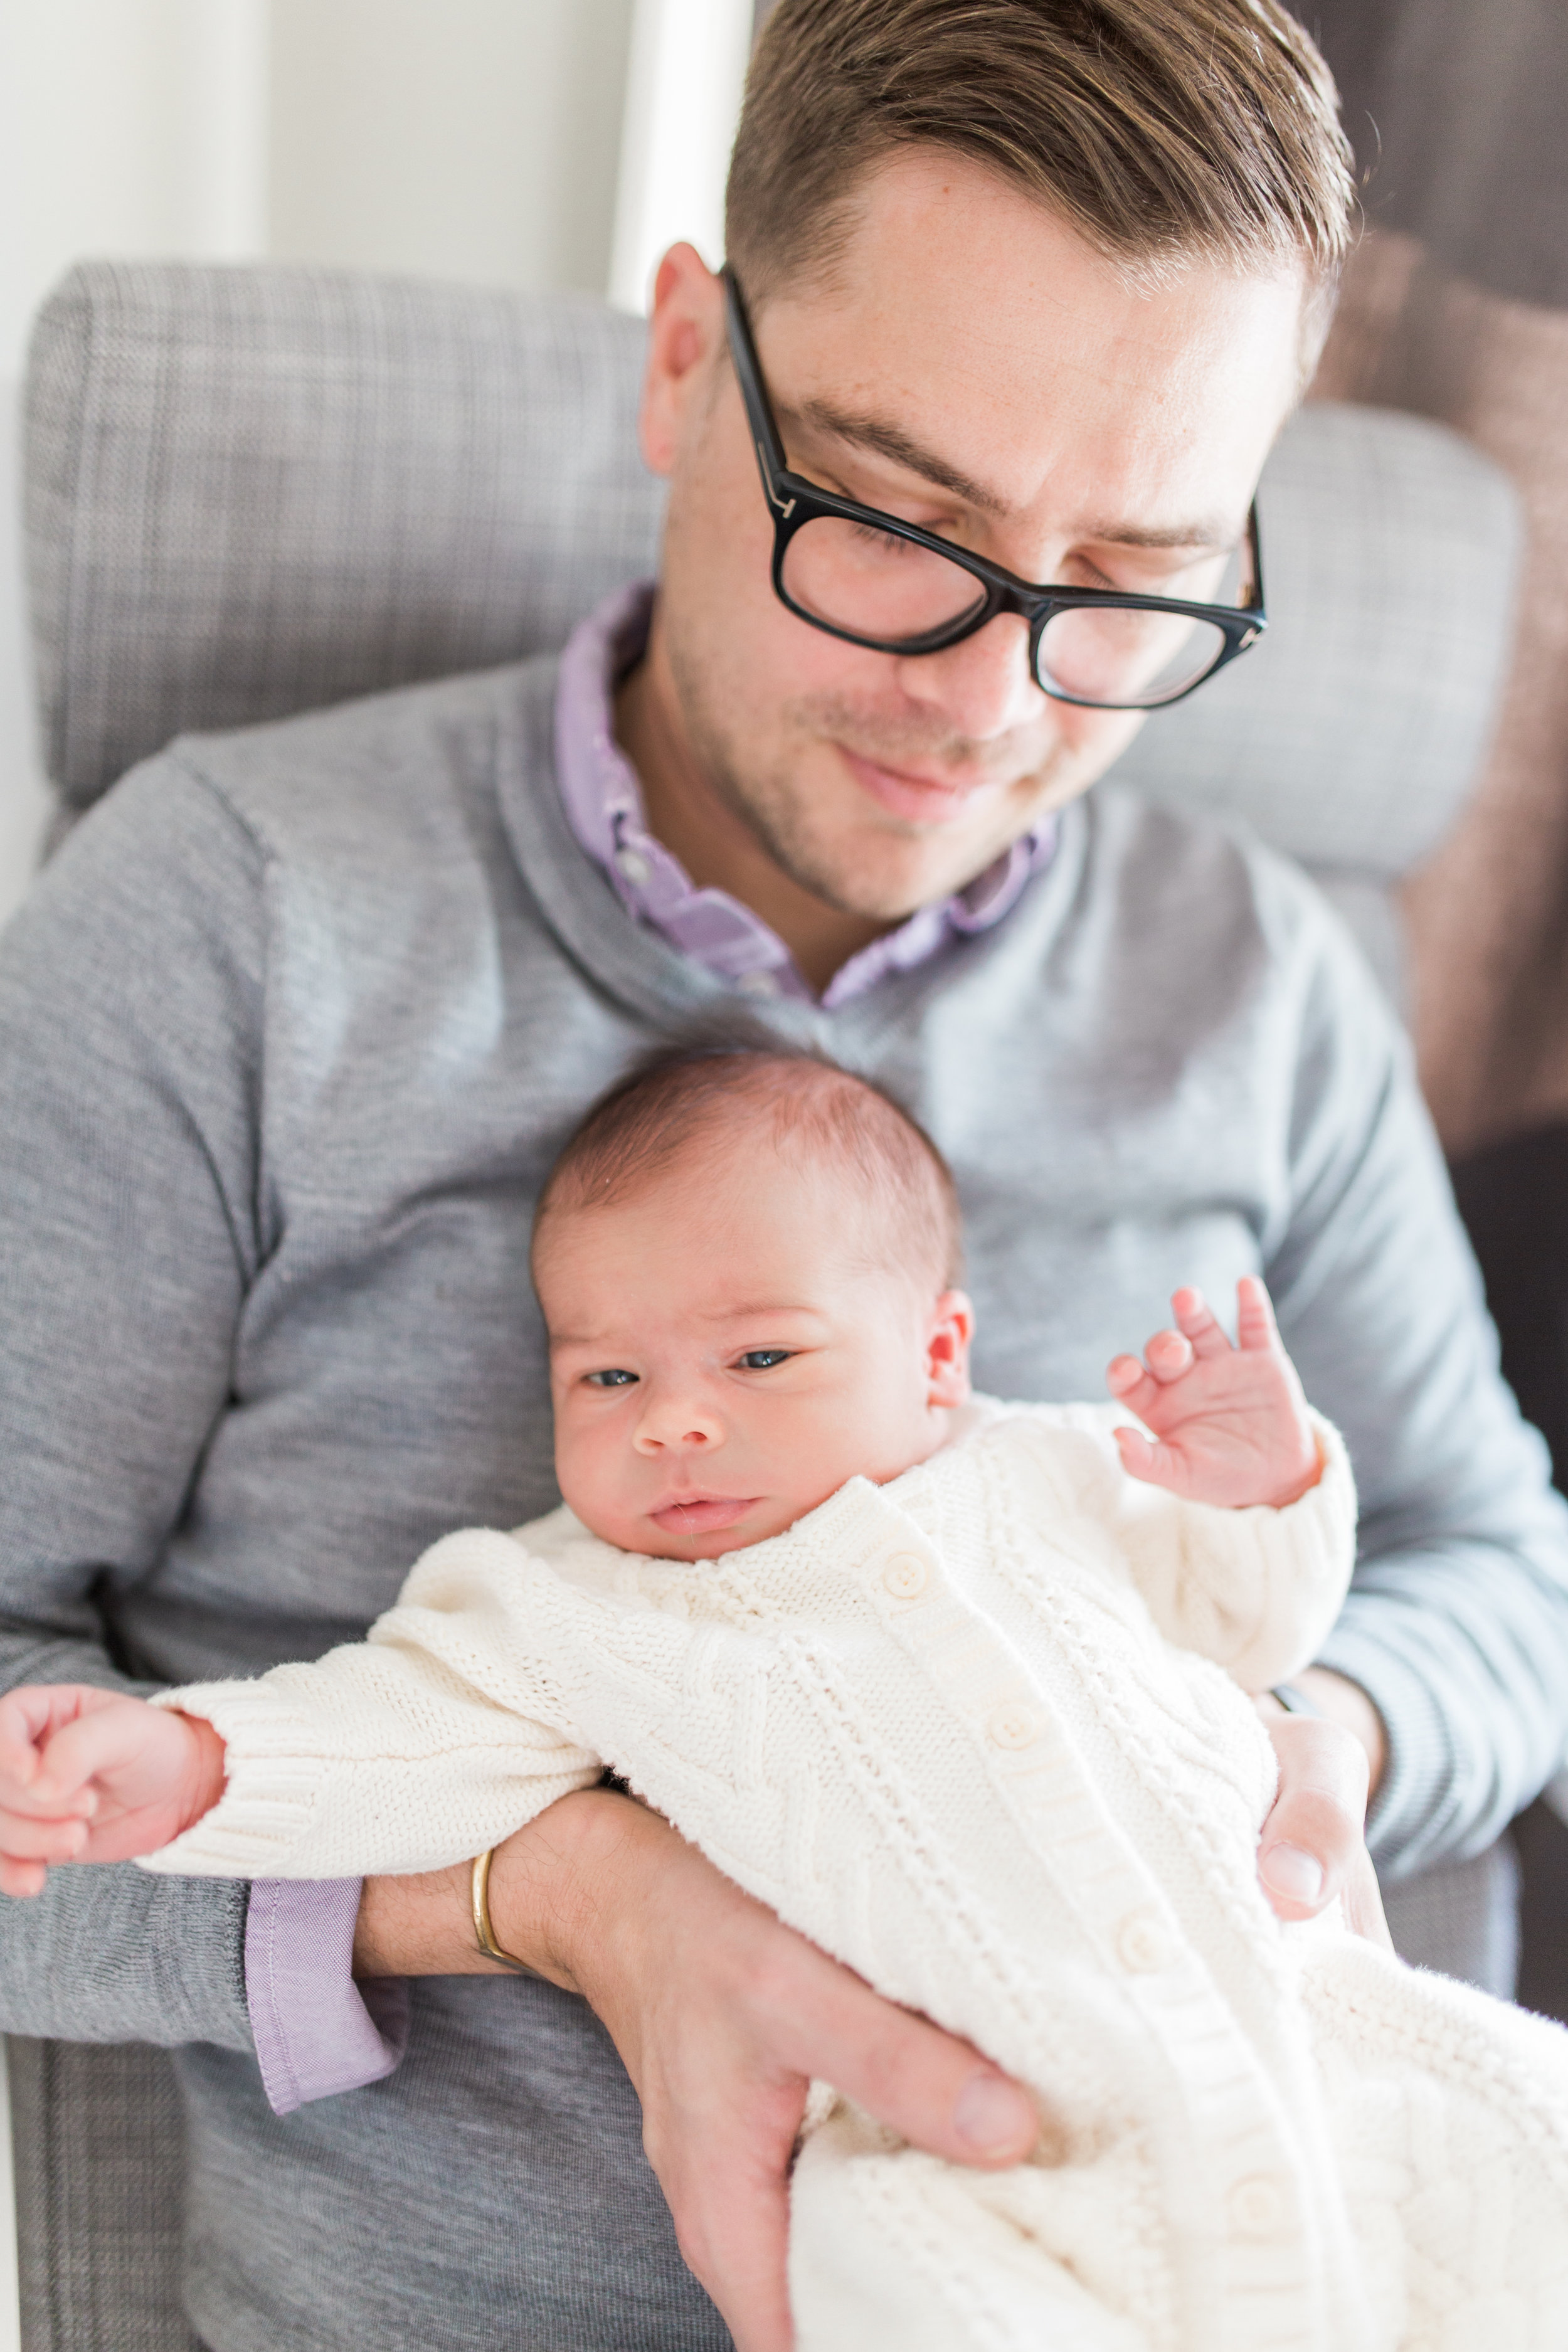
x,y
686,328
948,1337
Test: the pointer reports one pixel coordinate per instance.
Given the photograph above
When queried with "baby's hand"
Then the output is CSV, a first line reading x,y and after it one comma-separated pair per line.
x,y
1231,1423
94,1776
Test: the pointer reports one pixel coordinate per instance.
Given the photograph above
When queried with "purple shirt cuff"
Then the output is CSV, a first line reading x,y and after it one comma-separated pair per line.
x,y
317,2031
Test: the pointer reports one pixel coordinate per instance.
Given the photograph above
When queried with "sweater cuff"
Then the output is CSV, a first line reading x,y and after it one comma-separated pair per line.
x,y
269,1795
1420,1760
317,2031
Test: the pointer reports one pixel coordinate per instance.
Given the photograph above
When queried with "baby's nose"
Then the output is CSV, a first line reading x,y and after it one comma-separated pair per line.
x,y
678,1422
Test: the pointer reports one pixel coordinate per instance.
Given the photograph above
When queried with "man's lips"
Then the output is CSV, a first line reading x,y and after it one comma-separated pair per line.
x,y
904,793
700,1515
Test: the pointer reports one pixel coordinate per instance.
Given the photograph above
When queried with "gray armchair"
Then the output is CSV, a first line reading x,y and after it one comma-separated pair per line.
x,y
253,491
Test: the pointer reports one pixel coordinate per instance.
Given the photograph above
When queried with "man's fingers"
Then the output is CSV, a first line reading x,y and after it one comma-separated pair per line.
x,y
933,2090
1313,1847
733,2227
1195,1319
1255,1329
1364,1914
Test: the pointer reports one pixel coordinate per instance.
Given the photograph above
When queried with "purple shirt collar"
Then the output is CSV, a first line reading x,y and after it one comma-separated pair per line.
x,y
603,805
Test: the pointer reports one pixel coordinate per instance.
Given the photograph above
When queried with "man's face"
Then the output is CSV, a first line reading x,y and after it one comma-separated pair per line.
x,y
975,368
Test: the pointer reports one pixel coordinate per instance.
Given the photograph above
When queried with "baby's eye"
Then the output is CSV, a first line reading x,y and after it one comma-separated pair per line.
x,y
611,1379
762,1359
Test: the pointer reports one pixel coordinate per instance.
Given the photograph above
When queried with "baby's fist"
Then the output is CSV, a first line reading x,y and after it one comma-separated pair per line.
x,y
89,1775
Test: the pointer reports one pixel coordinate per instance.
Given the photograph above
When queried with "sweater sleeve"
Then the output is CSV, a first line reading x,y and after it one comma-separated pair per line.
x,y
436,1737
131,981
1255,1589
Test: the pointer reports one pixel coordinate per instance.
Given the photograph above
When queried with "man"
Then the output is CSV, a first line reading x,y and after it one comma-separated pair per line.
x,y
291,1030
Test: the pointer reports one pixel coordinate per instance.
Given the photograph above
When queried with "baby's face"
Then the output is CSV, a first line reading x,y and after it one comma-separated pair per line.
x,y
725,1352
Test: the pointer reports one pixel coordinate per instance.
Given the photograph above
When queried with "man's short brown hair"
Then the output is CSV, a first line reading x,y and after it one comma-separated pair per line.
x,y
1162,130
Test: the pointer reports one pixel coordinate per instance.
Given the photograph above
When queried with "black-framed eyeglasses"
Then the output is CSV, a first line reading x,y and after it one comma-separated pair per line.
x,y
877,580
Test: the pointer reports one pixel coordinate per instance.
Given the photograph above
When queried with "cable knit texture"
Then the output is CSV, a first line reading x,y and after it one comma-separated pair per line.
x,y
943,1727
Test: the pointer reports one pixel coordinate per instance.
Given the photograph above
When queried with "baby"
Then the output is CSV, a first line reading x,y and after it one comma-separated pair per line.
x,y
955,1687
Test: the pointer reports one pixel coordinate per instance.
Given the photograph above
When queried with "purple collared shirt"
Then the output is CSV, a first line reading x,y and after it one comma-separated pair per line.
x,y
603,804
316,2031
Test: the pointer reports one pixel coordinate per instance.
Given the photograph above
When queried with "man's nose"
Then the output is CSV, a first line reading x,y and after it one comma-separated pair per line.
x,y
983,686
677,1421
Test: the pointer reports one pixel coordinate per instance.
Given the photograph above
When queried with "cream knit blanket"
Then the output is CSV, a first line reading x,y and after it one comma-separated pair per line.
x,y
941,1728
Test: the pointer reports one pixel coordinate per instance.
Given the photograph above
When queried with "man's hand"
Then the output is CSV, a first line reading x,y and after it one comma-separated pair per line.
x,y
1230,1423
721,2016
1313,1845
89,1775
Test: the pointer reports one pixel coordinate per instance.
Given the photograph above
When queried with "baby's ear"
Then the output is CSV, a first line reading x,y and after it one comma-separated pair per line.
x,y
948,1337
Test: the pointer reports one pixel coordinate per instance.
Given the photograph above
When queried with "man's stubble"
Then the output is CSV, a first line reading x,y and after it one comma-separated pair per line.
x,y
762,791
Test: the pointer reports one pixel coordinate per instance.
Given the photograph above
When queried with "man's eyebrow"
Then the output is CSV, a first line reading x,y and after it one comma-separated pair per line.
x,y
890,440
1208,533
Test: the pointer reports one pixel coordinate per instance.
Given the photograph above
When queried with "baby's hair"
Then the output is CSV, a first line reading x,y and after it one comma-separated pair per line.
x,y
694,1091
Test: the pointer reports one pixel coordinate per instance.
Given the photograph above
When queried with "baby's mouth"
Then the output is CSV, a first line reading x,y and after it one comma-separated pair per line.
x,y
700,1515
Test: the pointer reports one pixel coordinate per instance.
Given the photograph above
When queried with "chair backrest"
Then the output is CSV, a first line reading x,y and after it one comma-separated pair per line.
x,y
251,491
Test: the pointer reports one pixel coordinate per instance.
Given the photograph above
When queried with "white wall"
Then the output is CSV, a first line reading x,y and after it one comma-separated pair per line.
x,y
472,139
126,126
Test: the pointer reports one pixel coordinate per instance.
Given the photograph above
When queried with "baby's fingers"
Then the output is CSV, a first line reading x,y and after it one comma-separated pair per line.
x,y
1131,1384
1156,1465
1255,1329
22,1877
25,1717
89,1749
26,1840
1196,1321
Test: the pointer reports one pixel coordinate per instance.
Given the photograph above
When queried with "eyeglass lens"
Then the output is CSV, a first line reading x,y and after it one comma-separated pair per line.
x,y
874,584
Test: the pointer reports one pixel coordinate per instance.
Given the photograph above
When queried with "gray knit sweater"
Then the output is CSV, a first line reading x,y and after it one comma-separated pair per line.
x,y
290,1031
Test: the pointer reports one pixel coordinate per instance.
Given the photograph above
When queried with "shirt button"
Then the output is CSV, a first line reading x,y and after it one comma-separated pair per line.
x,y
758,984
632,867
1014,1725
1256,2206
906,1576
1142,1944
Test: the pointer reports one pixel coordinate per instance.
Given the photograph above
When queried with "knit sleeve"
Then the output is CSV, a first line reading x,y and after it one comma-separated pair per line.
x,y
435,1737
1256,1589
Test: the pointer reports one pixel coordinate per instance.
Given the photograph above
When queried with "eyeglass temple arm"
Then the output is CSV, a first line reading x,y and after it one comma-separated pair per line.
x,y
770,449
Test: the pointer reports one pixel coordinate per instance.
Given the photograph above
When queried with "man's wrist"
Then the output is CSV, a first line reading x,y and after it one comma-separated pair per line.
x,y
545,1885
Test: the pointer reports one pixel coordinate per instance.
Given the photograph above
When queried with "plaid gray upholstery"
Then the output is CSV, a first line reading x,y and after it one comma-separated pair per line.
x,y
253,490
99,2197
1350,736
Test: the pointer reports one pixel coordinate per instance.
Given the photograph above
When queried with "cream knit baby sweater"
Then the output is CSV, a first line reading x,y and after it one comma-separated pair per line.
x,y
943,1728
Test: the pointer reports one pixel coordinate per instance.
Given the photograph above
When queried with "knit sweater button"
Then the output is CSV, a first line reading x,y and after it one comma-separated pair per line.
x,y
906,1576
1014,1725
1256,2206
1142,1944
